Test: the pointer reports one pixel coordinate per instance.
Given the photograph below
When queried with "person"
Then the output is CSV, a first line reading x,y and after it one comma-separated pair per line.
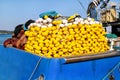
x,y
92,12
18,39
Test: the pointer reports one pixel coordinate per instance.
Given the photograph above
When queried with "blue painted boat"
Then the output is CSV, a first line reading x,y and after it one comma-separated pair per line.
x,y
20,65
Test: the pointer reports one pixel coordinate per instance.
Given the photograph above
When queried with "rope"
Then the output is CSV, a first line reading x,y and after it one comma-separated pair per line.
x,y
81,5
30,78
111,71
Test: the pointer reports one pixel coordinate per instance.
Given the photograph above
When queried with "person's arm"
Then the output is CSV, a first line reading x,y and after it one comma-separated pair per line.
x,y
21,41
8,43
20,34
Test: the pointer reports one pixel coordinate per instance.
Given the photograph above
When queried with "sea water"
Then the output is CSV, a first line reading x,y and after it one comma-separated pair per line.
x,y
3,37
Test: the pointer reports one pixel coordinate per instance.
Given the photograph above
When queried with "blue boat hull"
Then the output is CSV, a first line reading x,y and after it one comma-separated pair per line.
x,y
20,65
